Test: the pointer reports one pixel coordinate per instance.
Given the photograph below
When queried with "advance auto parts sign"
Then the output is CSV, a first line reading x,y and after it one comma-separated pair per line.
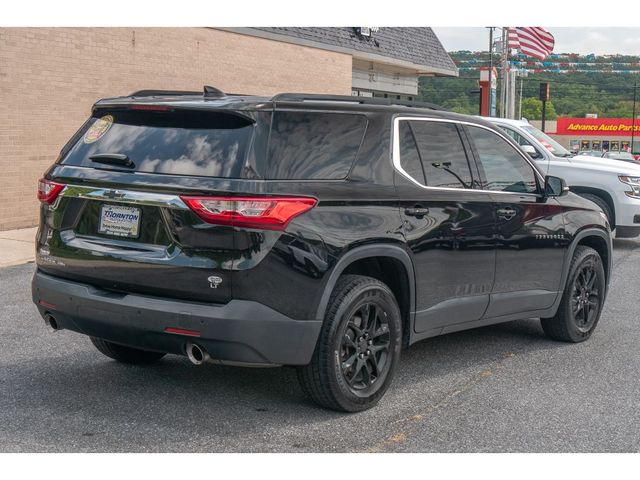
x,y
596,126
98,129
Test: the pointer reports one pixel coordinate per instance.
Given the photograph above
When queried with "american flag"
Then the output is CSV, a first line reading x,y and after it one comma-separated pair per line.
x,y
533,41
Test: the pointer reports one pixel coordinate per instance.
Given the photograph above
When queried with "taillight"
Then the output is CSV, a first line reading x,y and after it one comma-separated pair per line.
x,y
48,191
273,213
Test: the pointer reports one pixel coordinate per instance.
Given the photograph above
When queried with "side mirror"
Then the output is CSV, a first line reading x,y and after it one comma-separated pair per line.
x,y
555,186
531,151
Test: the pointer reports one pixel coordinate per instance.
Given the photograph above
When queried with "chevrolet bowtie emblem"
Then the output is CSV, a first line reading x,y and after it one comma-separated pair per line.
x,y
113,194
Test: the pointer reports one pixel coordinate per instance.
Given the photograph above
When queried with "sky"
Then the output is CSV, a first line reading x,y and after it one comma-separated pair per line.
x,y
582,40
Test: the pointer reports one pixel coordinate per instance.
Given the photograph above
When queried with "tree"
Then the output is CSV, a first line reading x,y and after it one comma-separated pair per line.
x,y
622,109
574,93
532,109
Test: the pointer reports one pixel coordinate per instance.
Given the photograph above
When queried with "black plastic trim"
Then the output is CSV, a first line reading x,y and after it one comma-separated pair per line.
x,y
240,331
628,232
369,251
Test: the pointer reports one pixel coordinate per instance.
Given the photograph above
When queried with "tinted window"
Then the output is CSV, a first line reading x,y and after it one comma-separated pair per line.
x,y
409,157
442,154
310,145
179,143
504,167
519,139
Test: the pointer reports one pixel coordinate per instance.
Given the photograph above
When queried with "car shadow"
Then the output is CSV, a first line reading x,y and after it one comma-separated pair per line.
x,y
175,396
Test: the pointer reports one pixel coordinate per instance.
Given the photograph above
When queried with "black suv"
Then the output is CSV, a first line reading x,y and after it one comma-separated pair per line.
x,y
320,232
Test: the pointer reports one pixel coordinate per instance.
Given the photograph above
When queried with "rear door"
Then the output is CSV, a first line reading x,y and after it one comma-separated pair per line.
x,y
123,223
449,223
530,228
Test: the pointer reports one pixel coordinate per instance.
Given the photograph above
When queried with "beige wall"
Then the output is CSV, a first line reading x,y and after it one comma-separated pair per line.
x,y
50,77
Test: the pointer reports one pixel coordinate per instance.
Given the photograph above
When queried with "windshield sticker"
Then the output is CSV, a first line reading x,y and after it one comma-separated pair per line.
x,y
98,129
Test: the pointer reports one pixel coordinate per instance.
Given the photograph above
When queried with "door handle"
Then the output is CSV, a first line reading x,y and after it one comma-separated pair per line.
x,y
418,212
506,213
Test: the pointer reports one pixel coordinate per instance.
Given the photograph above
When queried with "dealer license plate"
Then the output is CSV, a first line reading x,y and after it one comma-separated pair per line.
x,y
120,221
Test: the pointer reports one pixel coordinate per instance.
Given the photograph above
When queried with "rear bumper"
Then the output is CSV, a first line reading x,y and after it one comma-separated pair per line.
x,y
238,332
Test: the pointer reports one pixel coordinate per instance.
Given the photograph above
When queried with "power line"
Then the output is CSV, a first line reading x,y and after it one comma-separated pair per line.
x,y
542,79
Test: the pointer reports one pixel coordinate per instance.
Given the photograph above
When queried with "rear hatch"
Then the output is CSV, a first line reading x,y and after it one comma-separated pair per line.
x,y
127,216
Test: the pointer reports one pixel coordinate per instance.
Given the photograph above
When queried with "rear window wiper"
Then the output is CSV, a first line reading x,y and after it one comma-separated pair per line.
x,y
112,159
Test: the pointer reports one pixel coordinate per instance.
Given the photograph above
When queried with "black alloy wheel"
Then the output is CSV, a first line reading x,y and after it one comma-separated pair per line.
x,y
364,350
585,301
358,348
582,298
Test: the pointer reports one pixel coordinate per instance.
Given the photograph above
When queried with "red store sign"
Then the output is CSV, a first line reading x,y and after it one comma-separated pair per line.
x,y
596,126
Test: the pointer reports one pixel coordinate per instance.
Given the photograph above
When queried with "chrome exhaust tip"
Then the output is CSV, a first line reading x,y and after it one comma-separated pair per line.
x,y
196,354
51,322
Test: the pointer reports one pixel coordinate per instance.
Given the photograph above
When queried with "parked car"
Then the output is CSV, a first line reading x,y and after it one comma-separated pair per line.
x,y
611,184
320,232
623,156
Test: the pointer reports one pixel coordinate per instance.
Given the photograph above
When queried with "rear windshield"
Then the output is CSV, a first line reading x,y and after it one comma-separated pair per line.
x,y
176,142
314,145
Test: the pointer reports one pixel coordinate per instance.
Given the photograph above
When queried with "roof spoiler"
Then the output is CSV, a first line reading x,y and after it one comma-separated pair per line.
x,y
208,92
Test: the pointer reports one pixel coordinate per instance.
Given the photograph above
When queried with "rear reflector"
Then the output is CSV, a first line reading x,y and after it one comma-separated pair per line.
x,y
273,213
47,305
182,331
48,191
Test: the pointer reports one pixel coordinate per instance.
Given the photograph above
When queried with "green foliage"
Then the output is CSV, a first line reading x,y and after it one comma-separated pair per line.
x,y
572,94
455,95
532,109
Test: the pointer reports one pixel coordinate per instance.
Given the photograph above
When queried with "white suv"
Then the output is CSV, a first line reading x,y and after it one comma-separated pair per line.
x,y
613,185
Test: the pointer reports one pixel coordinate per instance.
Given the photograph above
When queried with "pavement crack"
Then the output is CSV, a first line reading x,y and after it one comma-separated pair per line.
x,y
400,436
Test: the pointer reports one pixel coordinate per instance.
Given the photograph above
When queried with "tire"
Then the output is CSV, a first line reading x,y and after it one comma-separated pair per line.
x,y
579,310
358,348
602,204
126,354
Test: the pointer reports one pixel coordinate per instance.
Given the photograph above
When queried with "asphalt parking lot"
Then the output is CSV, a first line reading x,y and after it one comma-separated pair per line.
x,y
494,389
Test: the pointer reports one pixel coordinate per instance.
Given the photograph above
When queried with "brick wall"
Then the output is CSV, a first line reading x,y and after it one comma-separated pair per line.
x,y
50,77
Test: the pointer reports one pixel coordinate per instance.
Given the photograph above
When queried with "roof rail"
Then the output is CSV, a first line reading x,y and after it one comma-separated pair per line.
x,y
302,97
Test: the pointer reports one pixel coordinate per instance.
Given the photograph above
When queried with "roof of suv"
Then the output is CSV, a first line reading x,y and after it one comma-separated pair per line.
x,y
508,121
215,99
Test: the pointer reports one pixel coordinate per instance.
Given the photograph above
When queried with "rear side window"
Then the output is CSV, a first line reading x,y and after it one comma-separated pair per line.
x,y
175,142
314,145
441,152
409,157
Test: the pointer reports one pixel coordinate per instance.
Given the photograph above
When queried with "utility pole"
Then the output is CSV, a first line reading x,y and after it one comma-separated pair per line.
x,y
505,80
511,110
520,103
544,96
633,119
490,68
